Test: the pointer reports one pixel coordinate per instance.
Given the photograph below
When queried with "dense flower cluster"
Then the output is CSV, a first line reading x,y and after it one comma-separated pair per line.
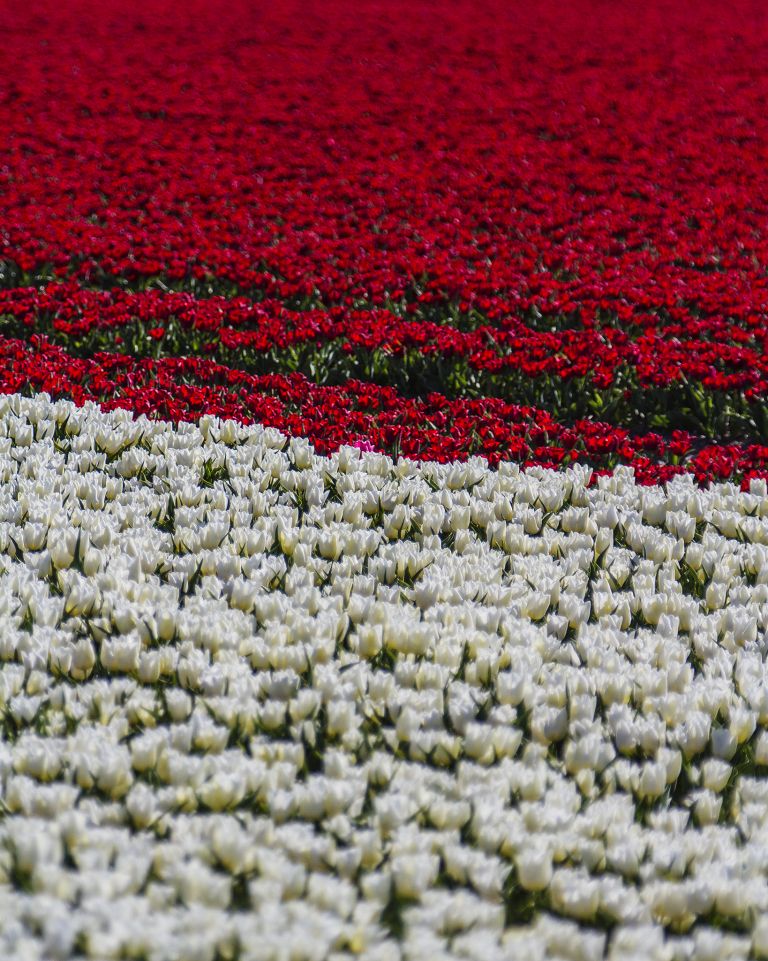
x,y
499,203
364,368
255,700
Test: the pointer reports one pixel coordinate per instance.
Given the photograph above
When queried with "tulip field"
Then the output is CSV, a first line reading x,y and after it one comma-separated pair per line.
x,y
383,481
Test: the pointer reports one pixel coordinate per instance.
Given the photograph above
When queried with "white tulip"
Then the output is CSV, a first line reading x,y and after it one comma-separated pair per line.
x,y
534,867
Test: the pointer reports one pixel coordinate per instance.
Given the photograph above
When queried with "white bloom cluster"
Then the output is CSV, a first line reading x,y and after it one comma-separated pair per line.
x,y
256,703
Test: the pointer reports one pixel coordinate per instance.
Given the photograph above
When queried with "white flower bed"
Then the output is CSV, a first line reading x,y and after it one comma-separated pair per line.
x,y
257,703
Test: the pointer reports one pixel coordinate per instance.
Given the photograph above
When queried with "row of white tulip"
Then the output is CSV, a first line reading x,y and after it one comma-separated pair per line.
x,y
257,703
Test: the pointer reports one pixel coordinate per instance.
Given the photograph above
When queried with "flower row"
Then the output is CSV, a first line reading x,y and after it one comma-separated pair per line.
x,y
368,702
664,377
554,180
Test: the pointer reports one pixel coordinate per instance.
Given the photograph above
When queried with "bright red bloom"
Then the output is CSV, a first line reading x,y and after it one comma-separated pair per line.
x,y
498,230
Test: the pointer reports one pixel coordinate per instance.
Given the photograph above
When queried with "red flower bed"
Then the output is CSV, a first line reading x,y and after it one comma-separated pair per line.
x,y
498,205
